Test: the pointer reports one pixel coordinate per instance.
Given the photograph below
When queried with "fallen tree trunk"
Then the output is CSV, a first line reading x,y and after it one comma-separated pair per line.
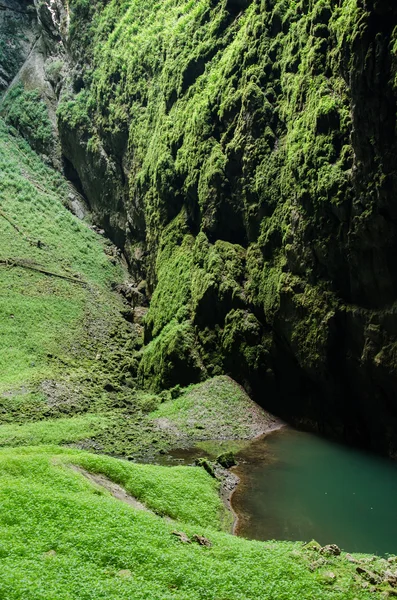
x,y
15,262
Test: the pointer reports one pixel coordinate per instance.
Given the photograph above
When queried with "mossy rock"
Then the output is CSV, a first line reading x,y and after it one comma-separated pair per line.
x,y
226,460
171,358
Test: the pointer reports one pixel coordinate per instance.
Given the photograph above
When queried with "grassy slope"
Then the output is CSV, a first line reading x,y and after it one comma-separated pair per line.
x,y
57,336
219,406
53,330
45,319
63,538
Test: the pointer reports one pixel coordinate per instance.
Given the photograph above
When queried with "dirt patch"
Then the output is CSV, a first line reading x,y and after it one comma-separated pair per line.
x,y
164,424
60,394
116,490
229,483
18,392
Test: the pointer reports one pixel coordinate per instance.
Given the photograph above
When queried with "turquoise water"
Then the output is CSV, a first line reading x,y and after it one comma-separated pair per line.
x,y
296,486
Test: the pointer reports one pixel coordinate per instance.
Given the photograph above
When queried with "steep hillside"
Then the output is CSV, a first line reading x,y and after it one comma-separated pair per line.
x,y
69,342
58,312
242,154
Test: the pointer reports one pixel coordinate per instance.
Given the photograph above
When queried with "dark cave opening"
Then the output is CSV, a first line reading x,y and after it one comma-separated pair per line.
x,y
72,175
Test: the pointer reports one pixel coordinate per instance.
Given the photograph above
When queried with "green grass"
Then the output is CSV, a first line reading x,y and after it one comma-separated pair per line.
x,y
149,424
52,431
61,537
218,408
46,321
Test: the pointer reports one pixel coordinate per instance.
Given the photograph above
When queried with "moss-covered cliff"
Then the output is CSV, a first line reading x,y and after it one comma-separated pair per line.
x,y
243,156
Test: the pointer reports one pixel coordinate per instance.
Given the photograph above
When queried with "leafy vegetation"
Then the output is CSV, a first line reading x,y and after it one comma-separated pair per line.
x,y
52,431
28,113
64,374
63,537
216,409
234,121
48,322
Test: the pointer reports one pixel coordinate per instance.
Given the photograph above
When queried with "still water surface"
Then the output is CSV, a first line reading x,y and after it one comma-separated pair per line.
x,y
296,486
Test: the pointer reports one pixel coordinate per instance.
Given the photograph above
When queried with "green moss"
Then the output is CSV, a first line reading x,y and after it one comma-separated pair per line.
x,y
311,333
170,358
28,113
244,343
174,272
239,156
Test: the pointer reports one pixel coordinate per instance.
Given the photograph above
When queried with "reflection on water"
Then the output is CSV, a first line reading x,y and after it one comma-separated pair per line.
x,y
296,486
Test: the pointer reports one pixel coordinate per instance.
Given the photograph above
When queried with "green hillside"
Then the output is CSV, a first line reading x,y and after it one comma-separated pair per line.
x,y
51,323
63,537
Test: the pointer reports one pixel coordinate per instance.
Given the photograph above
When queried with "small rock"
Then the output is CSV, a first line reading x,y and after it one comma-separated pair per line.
x,y
368,575
317,563
206,464
140,313
390,579
331,549
50,554
313,545
351,558
203,541
182,537
329,577
226,460
387,573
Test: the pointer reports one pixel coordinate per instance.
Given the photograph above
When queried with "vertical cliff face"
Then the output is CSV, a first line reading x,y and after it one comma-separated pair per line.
x,y
372,236
18,33
31,65
242,154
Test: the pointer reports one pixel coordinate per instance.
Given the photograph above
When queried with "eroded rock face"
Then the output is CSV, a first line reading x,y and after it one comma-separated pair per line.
x,y
32,62
244,159
18,34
